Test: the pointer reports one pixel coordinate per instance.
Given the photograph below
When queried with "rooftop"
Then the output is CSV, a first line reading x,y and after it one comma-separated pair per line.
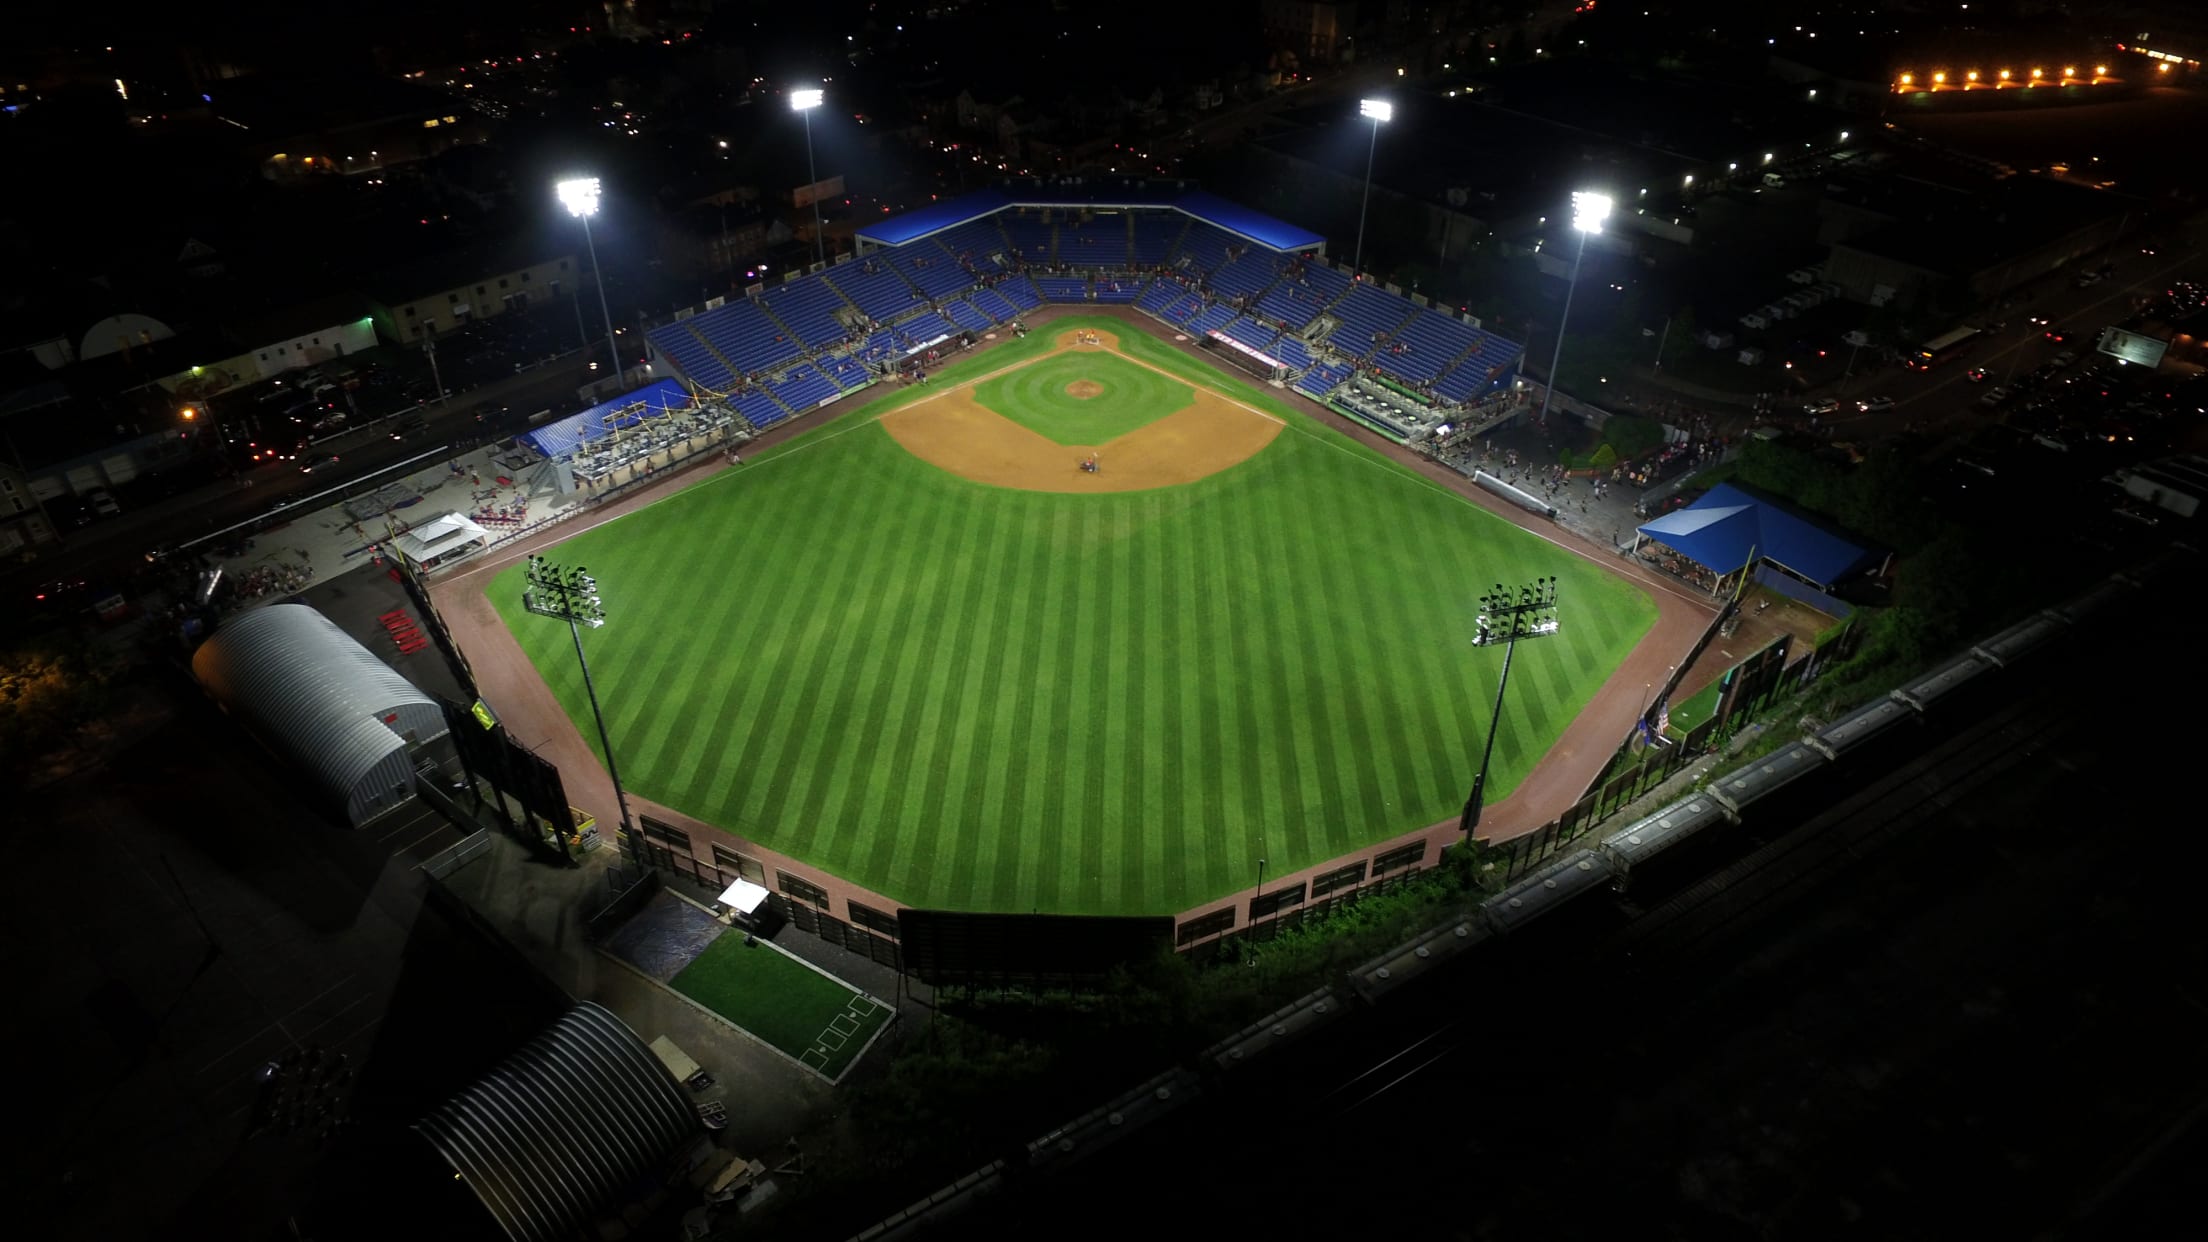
x,y
1092,192
270,106
1958,235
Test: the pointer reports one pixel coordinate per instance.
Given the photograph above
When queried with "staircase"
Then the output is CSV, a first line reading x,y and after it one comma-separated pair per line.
x,y
735,373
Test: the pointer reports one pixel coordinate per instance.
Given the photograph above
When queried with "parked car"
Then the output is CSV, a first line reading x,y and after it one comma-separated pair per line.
x,y
102,502
1996,398
2087,281
1822,408
1977,375
2065,358
1875,405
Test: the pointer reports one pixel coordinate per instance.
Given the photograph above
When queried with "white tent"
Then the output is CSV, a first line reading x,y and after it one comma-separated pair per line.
x,y
441,539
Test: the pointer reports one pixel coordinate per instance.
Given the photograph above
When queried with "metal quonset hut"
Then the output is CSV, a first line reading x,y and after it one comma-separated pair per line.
x,y
552,1137
319,699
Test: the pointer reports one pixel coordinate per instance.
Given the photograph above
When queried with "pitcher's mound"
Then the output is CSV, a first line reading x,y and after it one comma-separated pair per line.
x,y
1084,389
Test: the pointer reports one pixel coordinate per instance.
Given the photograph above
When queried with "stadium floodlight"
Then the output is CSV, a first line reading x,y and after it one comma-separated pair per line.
x,y
1378,111
803,102
1505,616
580,196
1589,210
571,595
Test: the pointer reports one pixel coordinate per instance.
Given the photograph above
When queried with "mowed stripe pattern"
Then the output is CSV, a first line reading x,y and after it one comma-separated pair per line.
x,y
969,697
1035,397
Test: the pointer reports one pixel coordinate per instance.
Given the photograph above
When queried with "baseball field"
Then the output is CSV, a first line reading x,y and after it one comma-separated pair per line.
x,y
923,648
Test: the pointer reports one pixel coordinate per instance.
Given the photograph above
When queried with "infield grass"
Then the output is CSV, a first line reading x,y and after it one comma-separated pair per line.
x,y
1035,396
977,698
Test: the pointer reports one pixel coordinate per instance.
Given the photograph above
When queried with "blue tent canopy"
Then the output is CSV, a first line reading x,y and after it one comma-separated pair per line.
x,y
1728,525
935,217
557,439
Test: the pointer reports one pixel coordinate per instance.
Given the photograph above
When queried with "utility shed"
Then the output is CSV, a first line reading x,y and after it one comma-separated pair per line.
x,y
565,1129
319,699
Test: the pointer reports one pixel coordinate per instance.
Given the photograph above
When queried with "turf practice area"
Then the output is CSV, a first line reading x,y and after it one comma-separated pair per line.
x,y
782,1001
975,697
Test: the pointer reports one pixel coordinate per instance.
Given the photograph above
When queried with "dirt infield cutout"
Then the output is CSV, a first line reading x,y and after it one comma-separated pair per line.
x,y
954,432
1084,390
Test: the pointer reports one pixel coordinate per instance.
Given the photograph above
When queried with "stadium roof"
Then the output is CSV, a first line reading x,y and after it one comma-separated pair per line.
x,y
1727,526
564,1128
560,438
934,218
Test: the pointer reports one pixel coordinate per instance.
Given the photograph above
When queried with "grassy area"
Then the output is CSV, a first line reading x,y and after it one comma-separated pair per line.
x,y
985,699
1698,707
1124,397
782,1001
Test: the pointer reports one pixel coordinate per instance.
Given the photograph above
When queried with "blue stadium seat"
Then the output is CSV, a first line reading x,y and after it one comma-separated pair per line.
x,y
1211,319
759,408
938,274
1289,348
1160,294
1115,289
1364,312
805,387
1251,332
692,357
993,304
1033,239
1021,292
1063,288
921,329
875,287
1323,379
1204,248
1100,241
743,335
808,307
1156,235
978,244
1298,298
847,373
965,316
1255,269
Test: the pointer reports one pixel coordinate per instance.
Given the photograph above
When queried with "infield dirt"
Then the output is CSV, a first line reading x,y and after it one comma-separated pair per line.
x,y
954,432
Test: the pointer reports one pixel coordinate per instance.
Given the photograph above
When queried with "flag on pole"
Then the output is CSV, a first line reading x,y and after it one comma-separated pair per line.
x,y
1663,719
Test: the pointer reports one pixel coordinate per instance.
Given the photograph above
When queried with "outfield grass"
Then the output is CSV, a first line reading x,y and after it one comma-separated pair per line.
x,y
976,698
782,1001
1035,397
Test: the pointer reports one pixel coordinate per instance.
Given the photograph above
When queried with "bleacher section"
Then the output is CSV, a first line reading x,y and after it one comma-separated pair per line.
x,y
1252,333
805,387
848,374
1032,239
1116,289
937,274
759,408
965,316
1021,292
1157,234
1159,295
808,307
1492,363
1298,301
978,242
1247,275
744,337
677,344
875,287
1289,348
1063,288
920,329
1366,313
1322,378
1204,249
1213,317
993,304
1100,241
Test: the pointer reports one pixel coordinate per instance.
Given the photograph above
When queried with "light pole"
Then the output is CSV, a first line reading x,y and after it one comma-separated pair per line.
x,y
803,102
580,196
1505,617
1589,210
1379,111
571,595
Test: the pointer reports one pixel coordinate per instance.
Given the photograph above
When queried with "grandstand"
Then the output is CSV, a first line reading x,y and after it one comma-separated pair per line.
x,y
1187,258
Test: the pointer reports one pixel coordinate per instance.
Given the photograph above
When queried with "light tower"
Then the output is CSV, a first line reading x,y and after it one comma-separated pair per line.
x,y
1506,616
580,196
1379,111
571,595
1589,210
803,102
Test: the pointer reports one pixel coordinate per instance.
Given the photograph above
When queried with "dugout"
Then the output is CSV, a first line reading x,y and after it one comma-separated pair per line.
x,y
319,699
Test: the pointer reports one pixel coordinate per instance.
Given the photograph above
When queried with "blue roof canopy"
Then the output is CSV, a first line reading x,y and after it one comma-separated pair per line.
x,y
1728,525
1210,208
560,438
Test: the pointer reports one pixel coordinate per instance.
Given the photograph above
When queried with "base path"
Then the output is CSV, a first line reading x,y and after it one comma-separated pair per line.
x,y
957,433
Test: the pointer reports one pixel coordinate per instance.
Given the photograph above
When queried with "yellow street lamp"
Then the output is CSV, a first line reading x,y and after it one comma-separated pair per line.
x,y
1972,75
2070,72
2038,74
1908,79
2100,71
1939,79
2004,75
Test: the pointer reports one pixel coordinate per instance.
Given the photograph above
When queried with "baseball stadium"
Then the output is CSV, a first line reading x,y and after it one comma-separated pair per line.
x,y
1069,555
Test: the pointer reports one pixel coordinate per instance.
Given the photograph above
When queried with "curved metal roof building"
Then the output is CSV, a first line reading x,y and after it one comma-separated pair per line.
x,y
322,701
552,1136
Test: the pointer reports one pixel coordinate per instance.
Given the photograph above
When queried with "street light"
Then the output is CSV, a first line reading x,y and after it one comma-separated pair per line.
x,y
1589,210
803,102
571,595
1378,111
1506,616
580,196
